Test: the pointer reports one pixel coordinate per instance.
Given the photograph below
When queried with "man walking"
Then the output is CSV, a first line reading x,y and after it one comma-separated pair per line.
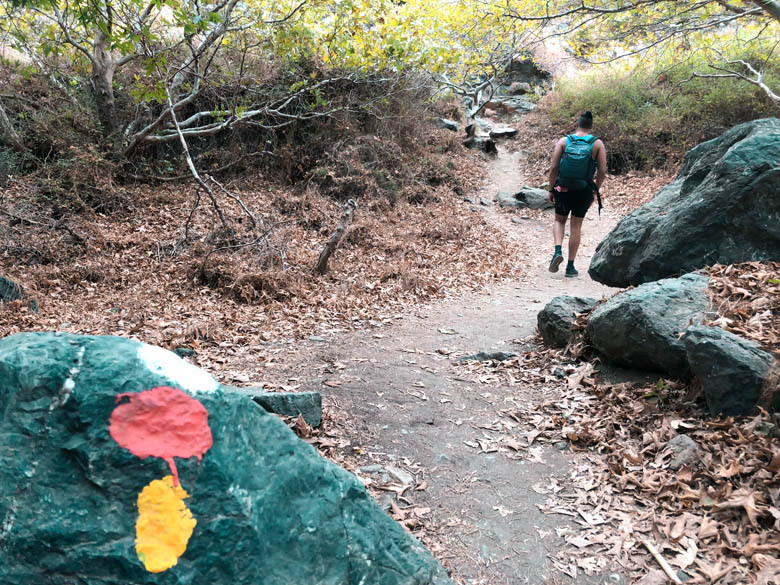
x,y
576,158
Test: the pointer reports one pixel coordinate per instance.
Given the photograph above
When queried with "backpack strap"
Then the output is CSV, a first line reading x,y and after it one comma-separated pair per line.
x,y
572,137
593,185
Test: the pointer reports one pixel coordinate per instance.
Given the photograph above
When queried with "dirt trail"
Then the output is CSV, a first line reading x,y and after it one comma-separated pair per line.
x,y
403,399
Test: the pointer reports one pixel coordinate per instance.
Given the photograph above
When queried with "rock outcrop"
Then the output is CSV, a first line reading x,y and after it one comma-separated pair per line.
x,y
121,463
508,105
642,328
478,133
524,69
519,88
558,316
446,124
734,372
723,207
294,404
11,291
499,132
534,198
525,198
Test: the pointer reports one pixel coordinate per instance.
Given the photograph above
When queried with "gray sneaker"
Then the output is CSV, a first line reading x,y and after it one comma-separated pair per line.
x,y
571,272
556,261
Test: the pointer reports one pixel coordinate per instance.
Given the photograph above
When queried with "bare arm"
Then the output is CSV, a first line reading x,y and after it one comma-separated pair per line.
x,y
601,162
556,164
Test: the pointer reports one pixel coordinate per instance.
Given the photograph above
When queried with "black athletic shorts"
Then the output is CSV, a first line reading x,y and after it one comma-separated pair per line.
x,y
576,202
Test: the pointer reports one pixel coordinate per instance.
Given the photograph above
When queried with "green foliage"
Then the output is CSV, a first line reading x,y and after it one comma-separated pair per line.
x,y
651,117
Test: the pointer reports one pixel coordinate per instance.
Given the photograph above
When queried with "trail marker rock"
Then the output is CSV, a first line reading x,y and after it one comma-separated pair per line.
x,y
260,506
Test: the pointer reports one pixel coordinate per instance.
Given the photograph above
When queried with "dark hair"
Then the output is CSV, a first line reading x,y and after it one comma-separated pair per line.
x,y
585,121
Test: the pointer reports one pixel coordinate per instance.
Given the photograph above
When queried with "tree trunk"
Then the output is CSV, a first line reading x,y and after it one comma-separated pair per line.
x,y
7,132
333,241
103,68
771,7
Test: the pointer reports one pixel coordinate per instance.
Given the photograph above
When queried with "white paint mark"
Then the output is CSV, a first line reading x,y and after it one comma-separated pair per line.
x,y
70,382
167,364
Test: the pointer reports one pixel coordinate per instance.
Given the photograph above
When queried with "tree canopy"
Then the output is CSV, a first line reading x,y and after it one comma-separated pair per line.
x,y
177,48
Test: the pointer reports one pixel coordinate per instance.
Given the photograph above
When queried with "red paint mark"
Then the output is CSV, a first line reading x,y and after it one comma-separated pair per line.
x,y
162,422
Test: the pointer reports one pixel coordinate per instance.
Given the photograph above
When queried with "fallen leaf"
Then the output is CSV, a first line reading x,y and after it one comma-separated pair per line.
x,y
677,530
743,498
504,512
708,528
302,428
717,571
633,457
579,542
769,569
687,558
774,464
397,513
731,470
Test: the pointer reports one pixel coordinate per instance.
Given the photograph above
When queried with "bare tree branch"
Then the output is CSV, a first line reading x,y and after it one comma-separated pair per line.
x,y
235,198
731,7
143,134
757,78
274,110
581,9
60,21
289,16
190,164
330,246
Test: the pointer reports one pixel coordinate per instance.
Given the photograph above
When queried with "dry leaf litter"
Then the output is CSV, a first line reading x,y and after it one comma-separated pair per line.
x,y
652,468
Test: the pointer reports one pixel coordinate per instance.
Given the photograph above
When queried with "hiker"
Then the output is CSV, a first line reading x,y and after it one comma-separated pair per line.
x,y
576,157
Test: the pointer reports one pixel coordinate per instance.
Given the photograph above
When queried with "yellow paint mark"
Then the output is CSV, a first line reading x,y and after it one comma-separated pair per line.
x,y
164,525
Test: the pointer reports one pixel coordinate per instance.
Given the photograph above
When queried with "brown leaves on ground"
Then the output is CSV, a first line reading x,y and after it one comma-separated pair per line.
x,y
716,520
746,297
235,307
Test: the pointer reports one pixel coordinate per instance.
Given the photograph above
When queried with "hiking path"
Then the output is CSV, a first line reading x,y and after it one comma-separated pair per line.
x,y
407,406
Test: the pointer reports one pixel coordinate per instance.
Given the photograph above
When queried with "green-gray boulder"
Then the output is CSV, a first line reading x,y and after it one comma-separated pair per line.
x,y
525,198
556,319
723,207
306,404
642,328
446,124
11,291
77,465
734,372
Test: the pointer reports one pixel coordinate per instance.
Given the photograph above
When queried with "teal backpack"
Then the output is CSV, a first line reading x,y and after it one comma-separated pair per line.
x,y
577,164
